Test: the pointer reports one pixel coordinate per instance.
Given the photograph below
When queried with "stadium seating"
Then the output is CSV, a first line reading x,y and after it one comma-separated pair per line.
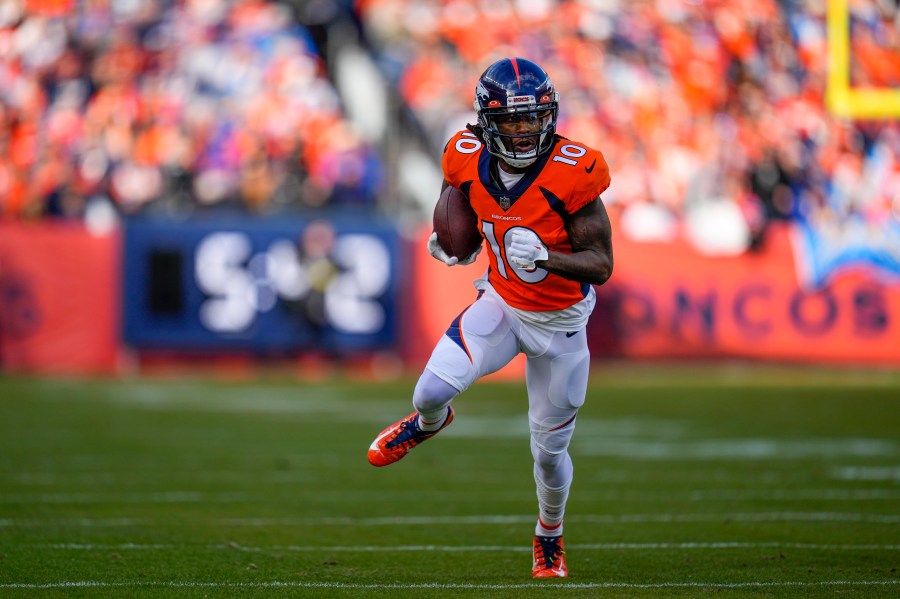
x,y
712,115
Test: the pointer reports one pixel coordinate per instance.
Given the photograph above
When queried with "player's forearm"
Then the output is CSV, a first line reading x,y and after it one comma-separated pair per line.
x,y
590,234
589,266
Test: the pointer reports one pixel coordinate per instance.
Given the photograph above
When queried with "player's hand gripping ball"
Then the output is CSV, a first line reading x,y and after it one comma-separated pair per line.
x,y
456,238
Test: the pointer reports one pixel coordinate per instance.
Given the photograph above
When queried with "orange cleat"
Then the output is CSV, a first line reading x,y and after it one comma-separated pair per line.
x,y
549,558
398,439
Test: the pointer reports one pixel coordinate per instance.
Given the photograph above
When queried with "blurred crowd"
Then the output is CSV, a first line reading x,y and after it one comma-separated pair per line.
x,y
711,113
111,107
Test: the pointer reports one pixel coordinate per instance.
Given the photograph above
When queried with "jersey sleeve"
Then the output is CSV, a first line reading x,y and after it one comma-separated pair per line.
x,y
592,181
452,162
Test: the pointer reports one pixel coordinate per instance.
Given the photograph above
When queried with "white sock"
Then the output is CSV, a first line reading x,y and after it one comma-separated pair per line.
x,y
552,505
543,529
432,421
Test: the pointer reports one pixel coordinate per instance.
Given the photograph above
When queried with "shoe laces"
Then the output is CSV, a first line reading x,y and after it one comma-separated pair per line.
x,y
547,551
407,433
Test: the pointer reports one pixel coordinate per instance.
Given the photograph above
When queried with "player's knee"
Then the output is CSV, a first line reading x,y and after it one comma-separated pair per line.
x,y
548,459
546,462
432,393
552,470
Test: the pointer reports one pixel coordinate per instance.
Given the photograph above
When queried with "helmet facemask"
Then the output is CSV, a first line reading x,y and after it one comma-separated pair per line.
x,y
519,134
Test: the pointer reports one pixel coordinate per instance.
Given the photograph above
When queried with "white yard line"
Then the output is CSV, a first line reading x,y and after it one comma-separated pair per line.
x,y
165,497
472,548
94,498
660,518
437,585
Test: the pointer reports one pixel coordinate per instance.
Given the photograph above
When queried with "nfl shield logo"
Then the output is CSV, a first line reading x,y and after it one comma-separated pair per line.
x,y
505,202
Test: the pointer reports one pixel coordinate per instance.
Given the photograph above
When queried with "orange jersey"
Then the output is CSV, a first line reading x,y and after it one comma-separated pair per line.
x,y
558,184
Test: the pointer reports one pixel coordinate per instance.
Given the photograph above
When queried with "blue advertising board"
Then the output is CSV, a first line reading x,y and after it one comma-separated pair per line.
x,y
263,285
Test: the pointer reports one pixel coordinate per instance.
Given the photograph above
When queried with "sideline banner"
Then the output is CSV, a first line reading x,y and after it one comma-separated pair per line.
x,y
668,301
60,304
58,299
269,286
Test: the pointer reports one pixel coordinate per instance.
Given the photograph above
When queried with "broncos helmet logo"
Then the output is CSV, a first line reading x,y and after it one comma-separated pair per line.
x,y
481,91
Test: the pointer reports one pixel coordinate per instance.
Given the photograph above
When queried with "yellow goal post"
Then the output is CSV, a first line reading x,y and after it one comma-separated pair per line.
x,y
841,99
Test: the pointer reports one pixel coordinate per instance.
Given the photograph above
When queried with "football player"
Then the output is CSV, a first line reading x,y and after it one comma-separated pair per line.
x,y
537,197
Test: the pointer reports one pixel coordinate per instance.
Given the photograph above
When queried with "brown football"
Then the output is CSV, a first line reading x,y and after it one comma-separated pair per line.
x,y
456,224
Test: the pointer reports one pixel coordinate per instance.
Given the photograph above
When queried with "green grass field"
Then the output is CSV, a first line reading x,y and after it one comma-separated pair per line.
x,y
728,480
